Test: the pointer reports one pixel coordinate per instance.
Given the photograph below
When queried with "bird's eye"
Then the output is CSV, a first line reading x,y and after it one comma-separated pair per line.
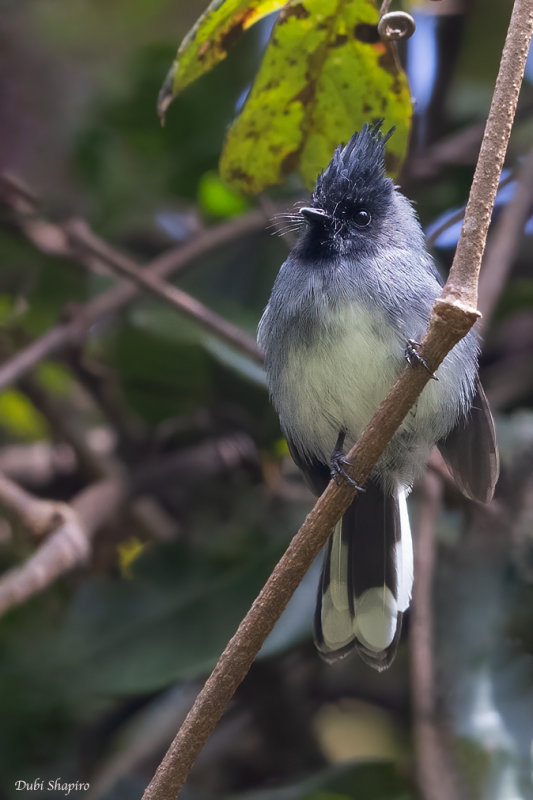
x,y
362,218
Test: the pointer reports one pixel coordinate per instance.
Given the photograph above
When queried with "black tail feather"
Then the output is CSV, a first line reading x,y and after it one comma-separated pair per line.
x,y
366,581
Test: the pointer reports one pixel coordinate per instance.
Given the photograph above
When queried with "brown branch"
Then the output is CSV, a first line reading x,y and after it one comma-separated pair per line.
x,y
491,157
452,317
39,517
70,528
37,463
199,462
67,547
80,235
435,774
504,241
459,147
73,331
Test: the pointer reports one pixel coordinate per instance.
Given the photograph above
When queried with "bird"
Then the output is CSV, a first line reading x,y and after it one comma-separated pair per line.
x,y
348,308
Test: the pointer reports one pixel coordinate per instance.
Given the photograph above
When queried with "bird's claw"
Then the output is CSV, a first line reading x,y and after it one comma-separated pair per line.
x,y
338,472
413,357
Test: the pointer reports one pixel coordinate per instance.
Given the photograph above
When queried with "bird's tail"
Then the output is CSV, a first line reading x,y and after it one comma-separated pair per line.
x,y
367,579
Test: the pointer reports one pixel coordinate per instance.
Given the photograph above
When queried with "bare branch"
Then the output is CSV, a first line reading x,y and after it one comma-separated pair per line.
x,y
70,528
504,241
75,330
67,547
80,234
38,516
463,280
453,315
37,464
202,461
436,777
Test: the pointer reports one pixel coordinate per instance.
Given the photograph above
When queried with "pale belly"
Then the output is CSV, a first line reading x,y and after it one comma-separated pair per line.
x,y
338,383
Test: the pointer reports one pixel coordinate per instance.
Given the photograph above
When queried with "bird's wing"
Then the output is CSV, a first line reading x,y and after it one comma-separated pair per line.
x,y
471,452
316,473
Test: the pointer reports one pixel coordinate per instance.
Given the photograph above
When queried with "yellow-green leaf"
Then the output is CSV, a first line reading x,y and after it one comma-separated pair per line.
x,y
128,552
325,72
217,199
20,417
209,40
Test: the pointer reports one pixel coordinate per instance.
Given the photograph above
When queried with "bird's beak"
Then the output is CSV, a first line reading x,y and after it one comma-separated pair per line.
x,y
314,214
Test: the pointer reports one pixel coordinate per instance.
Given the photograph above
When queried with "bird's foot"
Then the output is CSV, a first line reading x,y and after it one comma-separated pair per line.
x,y
338,464
413,357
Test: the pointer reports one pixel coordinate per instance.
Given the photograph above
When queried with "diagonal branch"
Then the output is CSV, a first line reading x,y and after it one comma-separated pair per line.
x,y
54,239
81,235
453,315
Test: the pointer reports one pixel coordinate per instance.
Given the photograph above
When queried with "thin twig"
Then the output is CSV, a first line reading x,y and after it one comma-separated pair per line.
x,y
459,147
452,317
504,241
73,331
436,777
37,463
81,236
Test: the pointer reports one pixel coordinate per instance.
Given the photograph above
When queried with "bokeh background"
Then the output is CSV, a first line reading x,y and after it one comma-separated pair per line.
x,y
98,669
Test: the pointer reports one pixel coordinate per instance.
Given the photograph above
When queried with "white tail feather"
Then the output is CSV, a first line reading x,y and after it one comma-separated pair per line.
x,y
338,571
374,619
404,554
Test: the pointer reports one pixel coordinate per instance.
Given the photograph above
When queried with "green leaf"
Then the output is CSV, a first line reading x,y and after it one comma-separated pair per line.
x,y
217,199
324,74
20,417
208,42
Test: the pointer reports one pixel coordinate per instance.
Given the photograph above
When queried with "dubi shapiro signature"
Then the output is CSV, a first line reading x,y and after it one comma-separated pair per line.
x,y
52,785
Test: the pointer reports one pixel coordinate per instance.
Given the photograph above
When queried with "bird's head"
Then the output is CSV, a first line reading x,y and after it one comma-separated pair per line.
x,y
353,194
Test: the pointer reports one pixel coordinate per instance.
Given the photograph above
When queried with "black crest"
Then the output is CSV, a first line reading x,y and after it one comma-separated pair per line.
x,y
356,173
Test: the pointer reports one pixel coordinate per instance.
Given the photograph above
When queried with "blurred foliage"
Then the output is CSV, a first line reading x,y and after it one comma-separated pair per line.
x,y
19,417
216,199
97,671
373,781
